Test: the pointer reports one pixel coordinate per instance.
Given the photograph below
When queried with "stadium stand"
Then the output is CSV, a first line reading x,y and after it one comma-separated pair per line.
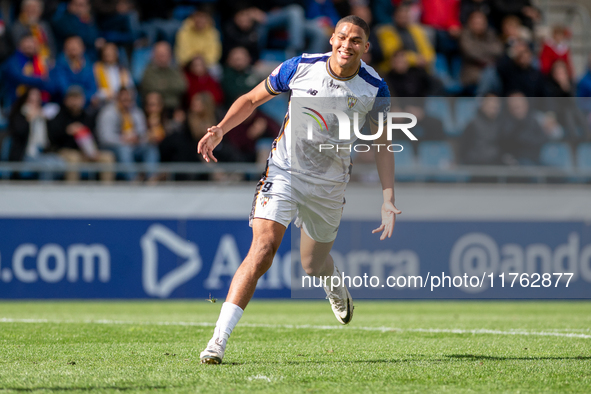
x,y
559,33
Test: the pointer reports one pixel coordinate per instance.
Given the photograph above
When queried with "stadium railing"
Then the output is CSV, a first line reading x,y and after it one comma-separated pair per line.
x,y
252,171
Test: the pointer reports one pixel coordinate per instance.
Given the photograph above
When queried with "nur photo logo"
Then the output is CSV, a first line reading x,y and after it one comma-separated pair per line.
x,y
391,120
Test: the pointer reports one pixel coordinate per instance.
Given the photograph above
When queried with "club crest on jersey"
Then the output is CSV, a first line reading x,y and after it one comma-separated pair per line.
x,y
351,101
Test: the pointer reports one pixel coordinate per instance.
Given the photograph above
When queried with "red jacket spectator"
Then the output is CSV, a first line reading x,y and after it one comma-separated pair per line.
x,y
199,80
441,14
554,49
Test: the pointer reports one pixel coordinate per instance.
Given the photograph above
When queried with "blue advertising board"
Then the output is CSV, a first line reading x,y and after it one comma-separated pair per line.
x,y
143,258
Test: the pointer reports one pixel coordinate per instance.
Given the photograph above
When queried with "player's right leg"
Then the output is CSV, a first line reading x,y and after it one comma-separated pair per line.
x,y
267,236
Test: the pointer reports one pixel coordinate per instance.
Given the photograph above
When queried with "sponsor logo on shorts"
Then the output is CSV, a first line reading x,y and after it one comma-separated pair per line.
x,y
264,200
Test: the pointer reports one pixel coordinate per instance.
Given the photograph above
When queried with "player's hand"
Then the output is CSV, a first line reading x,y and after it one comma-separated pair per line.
x,y
208,143
389,212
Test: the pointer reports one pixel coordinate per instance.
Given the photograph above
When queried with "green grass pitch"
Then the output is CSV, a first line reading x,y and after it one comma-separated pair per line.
x,y
288,346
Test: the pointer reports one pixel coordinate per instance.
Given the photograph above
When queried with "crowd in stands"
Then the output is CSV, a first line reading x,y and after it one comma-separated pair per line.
x,y
141,81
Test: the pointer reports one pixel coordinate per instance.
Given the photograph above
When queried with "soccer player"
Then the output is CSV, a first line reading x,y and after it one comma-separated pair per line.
x,y
287,190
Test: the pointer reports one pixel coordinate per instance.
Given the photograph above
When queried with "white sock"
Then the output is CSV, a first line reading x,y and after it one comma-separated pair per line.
x,y
229,316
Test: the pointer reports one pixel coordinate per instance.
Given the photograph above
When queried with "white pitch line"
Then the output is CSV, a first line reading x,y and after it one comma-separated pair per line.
x,y
310,327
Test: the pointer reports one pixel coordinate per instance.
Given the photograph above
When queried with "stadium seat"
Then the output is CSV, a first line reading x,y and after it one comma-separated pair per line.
x,y
5,148
273,55
440,108
452,85
4,153
140,58
557,154
439,155
465,110
584,157
405,161
276,108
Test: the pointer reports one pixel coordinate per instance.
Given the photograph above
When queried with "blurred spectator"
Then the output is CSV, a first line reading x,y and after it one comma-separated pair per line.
x,y
323,13
28,128
110,75
71,133
345,7
118,20
480,142
518,74
160,76
480,48
77,20
291,16
198,37
554,49
427,128
561,106
121,127
523,9
467,7
243,31
244,137
374,55
406,81
382,11
522,134
26,68
157,22
238,76
6,47
49,7
404,35
74,68
558,82
512,32
158,126
29,22
199,80
584,92
444,17
182,146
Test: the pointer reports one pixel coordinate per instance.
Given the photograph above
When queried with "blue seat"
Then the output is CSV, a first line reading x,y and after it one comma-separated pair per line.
x,y
435,154
584,157
273,55
440,108
557,154
465,111
140,58
404,161
439,155
4,154
450,82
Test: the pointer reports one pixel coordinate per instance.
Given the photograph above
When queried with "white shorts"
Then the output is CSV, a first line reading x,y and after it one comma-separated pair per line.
x,y
317,205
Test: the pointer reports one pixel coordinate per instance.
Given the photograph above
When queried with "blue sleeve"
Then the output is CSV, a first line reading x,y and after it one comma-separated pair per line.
x,y
278,81
381,103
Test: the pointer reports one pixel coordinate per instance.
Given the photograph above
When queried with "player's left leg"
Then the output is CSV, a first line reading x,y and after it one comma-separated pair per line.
x,y
316,261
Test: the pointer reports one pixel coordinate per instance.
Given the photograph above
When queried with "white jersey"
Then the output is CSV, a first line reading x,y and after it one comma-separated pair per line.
x,y
315,90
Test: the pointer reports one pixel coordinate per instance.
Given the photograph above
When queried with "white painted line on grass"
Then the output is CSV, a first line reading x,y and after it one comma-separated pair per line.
x,y
311,327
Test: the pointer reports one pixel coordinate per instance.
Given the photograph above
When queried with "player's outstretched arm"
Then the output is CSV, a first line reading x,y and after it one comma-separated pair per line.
x,y
238,112
385,165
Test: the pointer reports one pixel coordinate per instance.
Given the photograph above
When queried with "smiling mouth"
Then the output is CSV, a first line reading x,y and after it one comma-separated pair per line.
x,y
345,55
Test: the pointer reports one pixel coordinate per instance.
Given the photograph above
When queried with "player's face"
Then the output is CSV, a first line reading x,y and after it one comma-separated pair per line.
x,y
349,43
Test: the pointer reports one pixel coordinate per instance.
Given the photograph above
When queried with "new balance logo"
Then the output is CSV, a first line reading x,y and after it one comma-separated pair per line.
x,y
312,92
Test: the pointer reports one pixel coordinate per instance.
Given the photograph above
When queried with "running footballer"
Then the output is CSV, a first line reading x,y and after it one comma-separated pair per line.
x,y
290,188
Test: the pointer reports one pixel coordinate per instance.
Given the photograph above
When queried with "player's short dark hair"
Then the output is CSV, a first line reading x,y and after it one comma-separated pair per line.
x,y
357,21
